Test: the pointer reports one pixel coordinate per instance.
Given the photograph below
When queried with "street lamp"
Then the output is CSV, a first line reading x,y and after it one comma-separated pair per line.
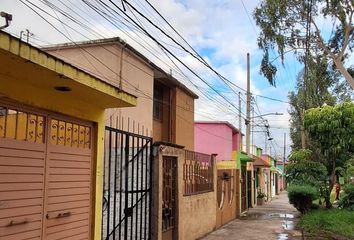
x,y
247,121
267,114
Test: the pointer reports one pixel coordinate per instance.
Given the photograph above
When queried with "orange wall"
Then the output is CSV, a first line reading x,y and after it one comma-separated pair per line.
x,y
184,120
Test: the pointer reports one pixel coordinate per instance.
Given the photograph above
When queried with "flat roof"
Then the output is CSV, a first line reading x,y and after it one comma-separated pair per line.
x,y
220,122
161,74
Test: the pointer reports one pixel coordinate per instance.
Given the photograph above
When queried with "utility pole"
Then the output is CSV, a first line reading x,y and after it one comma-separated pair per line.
x,y
284,161
248,120
248,133
239,122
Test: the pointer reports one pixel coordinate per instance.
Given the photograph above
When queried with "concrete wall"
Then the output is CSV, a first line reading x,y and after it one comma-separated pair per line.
x,y
196,213
137,78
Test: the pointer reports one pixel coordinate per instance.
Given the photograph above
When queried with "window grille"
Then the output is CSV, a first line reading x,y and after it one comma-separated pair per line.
x,y
198,173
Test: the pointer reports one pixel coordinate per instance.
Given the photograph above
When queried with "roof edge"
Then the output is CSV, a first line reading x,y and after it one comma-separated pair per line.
x,y
118,40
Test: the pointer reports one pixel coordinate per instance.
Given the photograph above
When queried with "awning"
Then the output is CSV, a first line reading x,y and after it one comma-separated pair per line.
x,y
259,162
26,69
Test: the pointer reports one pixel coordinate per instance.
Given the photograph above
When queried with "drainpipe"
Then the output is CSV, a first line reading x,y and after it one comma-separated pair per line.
x,y
8,19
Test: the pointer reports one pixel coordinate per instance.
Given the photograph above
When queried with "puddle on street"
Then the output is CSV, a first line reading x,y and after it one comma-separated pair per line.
x,y
288,225
282,236
263,216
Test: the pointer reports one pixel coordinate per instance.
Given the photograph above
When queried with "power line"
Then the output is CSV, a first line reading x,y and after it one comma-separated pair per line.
x,y
147,96
172,54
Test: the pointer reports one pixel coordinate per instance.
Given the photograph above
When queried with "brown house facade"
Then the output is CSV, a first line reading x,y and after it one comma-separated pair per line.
x,y
165,108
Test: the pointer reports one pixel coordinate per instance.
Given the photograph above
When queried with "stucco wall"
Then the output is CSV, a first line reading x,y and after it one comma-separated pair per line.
x,y
196,213
184,119
213,138
104,61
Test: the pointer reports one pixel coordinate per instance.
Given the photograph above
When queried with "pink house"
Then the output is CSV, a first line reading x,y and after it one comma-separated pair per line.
x,y
217,137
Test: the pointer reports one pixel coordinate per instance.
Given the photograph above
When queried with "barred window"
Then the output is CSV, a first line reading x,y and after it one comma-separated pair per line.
x,y
198,173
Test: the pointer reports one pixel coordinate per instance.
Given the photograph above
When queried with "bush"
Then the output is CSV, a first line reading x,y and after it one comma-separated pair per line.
x,y
347,199
261,194
301,196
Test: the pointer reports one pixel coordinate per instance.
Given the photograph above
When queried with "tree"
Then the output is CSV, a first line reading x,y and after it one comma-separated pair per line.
x,y
303,171
294,25
314,93
332,128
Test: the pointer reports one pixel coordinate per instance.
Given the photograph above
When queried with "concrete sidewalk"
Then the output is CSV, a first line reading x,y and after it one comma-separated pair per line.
x,y
274,220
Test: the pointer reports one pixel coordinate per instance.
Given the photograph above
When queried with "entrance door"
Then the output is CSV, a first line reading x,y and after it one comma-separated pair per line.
x,y
244,188
45,176
169,192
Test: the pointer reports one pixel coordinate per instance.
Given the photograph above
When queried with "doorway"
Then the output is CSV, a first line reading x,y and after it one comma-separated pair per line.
x,y
169,198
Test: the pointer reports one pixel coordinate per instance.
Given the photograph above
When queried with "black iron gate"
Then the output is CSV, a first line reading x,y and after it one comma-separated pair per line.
x,y
126,212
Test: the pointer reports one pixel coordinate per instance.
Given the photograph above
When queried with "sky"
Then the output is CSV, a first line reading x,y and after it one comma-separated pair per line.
x,y
222,32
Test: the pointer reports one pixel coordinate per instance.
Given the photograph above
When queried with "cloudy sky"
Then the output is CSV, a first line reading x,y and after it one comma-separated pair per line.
x,y
222,32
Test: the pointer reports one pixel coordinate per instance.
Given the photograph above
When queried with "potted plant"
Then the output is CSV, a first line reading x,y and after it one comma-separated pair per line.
x,y
260,198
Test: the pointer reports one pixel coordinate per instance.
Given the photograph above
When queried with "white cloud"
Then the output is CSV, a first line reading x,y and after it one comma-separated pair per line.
x,y
221,30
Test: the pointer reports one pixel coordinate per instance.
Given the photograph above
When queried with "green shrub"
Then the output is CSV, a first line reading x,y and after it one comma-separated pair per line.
x,y
301,196
347,199
328,222
261,194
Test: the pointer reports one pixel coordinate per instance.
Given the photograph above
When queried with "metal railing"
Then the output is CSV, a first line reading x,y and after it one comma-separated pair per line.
x,y
198,173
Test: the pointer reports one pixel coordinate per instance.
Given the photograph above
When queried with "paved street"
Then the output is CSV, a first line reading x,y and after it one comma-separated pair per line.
x,y
274,220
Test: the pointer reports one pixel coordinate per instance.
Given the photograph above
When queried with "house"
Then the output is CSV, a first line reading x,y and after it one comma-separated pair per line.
x,y
165,107
52,126
271,176
259,165
223,139
281,181
181,182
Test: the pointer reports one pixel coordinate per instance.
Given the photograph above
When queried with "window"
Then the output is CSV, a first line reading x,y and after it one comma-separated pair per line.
x,y
158,103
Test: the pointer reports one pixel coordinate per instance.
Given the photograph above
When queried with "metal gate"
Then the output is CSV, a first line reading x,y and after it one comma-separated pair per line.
x,y
127,185
244,188
249,189
169,223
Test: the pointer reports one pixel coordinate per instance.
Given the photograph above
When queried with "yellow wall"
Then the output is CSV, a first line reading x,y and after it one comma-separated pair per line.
x,y
25,83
